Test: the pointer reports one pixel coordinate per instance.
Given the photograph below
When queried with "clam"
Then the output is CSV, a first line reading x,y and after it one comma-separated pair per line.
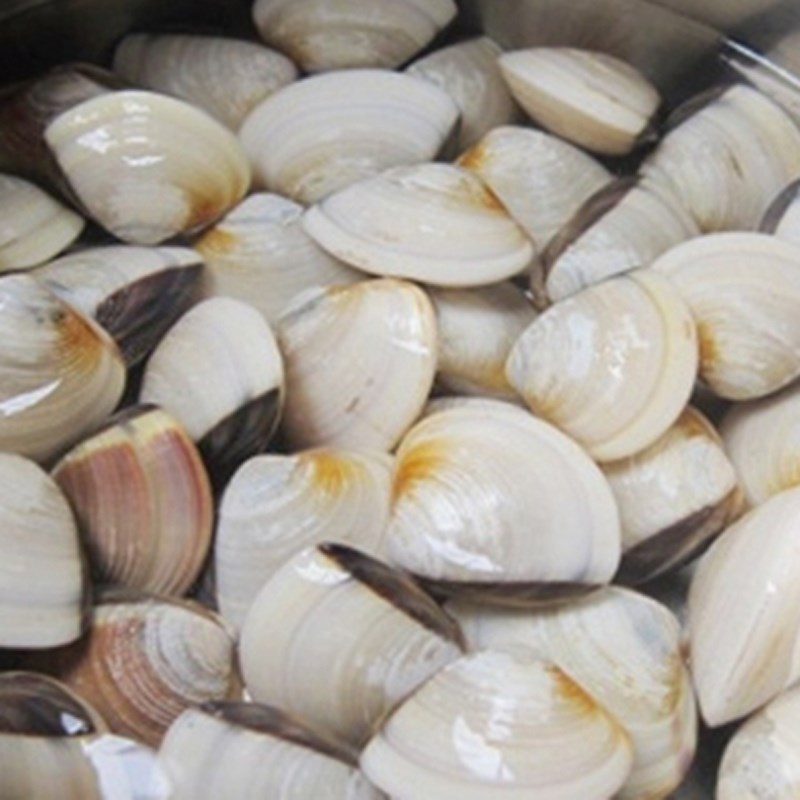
x,y
276,505
591,99
673,497
360,362
469,73
782,218
225,77
251,751
499,724
490,501
134,293
35,226
323,133
540,179
613,366
743,290
219,372
61,374
744,612
625,225
435,223
147,167
624,650
319,35
477,328
143,501
42,586
375,633
260,253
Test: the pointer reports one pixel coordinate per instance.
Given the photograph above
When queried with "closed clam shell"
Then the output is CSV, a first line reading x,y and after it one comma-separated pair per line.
x,y
262,752
320,35
276,505
782,218
225,77
435,223
146,166
377,633
674,497
499,724
60,374
42,585
490,501
360,362
591,99
613,366
143,501
219,372
743,290
134,293
744,612
325,132
260,253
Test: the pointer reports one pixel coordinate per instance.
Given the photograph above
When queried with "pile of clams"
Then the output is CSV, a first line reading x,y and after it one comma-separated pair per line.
x,y
382,420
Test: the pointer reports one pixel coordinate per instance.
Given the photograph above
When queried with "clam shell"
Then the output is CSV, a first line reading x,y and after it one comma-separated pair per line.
x,y
260,253
499,724
61,374
319,35
275,506
613,366
321,134
744,612
489,500
435,223
360,362
42,586
782,218
377,633
591,99
743,290
147,167
225,77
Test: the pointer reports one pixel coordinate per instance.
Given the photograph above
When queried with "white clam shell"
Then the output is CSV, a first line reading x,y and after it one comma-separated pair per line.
x,y
613,366
320,35
783,216
744,291
435,223
146,166
35,226
323,133
275,506
488,495
225,77
360,363
499,724
591,99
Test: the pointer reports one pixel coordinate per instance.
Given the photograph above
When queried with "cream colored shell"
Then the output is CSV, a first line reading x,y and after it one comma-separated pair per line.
x,y
783,216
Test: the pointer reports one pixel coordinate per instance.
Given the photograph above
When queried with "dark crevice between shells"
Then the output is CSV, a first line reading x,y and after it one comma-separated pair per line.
x,y
779,206
514,594
694,105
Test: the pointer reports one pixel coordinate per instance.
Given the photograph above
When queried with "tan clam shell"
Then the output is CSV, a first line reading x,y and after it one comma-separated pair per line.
x,y
360,362
782,218
277,505
613,366
743,290
499,724
377,633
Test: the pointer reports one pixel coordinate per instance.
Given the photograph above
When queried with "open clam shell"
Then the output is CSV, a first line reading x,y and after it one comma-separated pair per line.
x,y
134,293
782,218
61,375
321,36
360,362
225,77
499,724
146,166
323,133
435,223
377,633
613,366
492,502
744,291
